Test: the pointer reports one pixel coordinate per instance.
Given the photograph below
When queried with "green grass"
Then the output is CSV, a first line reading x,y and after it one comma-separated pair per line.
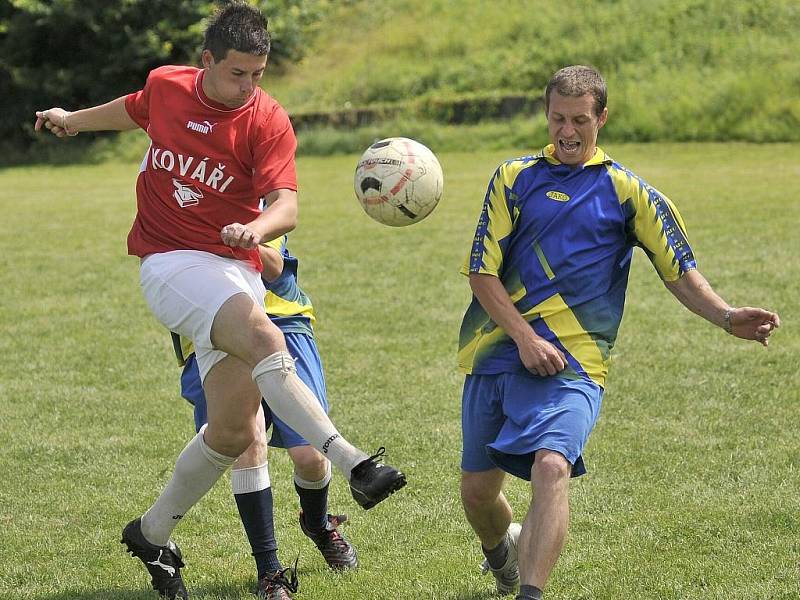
x,y
679,70
694,467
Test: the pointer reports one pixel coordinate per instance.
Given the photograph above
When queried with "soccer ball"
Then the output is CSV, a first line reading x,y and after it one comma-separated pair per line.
x,y
398,181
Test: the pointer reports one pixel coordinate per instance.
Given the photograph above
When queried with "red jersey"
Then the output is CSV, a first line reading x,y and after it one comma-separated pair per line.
x,y
207,165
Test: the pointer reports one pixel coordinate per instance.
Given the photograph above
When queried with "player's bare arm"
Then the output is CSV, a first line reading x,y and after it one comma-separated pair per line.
x,y
537,354
111,116
748,323
271,261
279,217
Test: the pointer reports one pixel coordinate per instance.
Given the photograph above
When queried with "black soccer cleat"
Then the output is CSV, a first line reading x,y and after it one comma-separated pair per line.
x,y
336,549
371,481
164,563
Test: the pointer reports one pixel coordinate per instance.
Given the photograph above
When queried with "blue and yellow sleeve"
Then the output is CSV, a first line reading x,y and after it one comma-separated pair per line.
x,y
495,224
279,243
182,346
655,224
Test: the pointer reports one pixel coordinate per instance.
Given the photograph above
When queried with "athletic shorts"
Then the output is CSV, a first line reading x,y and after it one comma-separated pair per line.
x,y
309,368
185,288
507,417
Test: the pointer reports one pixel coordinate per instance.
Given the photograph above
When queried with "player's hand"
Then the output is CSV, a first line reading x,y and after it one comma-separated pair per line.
x,y
541,357
754,324
237,235
55,120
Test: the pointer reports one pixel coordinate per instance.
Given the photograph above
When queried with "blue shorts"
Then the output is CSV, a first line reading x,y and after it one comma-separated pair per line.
x,y
507,417
303,349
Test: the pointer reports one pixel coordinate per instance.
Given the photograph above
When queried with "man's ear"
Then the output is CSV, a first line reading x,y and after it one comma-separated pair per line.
x,y
603,117
207,58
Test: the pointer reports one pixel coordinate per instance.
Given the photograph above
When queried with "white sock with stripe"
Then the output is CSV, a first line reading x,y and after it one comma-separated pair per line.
x,y
250,479
295,404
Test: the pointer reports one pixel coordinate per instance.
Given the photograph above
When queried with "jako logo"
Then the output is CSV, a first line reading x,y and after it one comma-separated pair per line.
x,y
204,127
328,442
559,196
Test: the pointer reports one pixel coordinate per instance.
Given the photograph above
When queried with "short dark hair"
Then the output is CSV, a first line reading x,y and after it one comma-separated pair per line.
x,y
237,26
576,81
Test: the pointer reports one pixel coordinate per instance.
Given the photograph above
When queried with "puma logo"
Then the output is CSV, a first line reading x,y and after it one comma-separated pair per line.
x,y
205,127
157,563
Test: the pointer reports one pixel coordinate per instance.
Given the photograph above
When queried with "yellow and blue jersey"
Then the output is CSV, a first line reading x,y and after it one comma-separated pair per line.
x,y
560,239
286,304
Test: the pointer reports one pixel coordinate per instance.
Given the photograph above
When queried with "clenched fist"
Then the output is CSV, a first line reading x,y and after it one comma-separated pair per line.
x,y
55,120
237,235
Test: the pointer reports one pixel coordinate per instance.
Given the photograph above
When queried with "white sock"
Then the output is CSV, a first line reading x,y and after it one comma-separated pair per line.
x,y
294,404
197,469
313,485
250,479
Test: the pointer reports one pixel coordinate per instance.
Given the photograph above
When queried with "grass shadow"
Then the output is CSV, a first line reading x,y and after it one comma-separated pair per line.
x,y
472,594
212,592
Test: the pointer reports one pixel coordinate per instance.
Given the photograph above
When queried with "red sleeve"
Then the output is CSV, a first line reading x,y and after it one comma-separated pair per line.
x,y
138,104
273,154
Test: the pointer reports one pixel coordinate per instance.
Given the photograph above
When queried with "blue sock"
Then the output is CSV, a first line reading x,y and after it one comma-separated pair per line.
x,y
314,504
255,509
498,555
529,592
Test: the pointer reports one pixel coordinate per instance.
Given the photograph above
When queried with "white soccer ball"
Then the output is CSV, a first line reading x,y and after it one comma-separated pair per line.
x,y
398,181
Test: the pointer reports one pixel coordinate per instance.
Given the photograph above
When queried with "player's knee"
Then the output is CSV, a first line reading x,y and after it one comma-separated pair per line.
x,y
550,468
232,440
255,338
264,339
255,454
241,440
309,464
477,491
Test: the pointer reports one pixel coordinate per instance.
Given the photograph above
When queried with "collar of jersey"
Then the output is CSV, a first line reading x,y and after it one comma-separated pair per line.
x,y
212,104
599,157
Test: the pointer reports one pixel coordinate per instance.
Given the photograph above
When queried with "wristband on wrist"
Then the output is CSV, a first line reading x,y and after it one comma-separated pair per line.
x,y
726,320
64,125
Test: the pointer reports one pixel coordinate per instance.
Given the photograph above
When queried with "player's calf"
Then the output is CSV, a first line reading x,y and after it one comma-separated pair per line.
x,y
506,570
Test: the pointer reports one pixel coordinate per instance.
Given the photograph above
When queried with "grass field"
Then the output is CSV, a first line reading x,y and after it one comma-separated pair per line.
x,y
670,65
694,467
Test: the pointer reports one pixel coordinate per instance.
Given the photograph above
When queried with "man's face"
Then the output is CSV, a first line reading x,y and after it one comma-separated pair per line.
x,y
232,80
573,127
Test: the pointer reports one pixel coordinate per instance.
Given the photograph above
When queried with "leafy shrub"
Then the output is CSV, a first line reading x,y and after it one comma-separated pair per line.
x,y
78,54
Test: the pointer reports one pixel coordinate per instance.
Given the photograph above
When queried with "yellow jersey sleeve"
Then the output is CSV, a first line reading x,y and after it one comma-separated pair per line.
x,y
655,224
496,222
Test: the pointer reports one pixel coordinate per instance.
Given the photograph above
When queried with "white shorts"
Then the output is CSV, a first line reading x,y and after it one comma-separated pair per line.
x,y
185,288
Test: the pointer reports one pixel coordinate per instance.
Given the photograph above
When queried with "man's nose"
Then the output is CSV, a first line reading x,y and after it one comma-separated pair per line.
x,y
567,130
